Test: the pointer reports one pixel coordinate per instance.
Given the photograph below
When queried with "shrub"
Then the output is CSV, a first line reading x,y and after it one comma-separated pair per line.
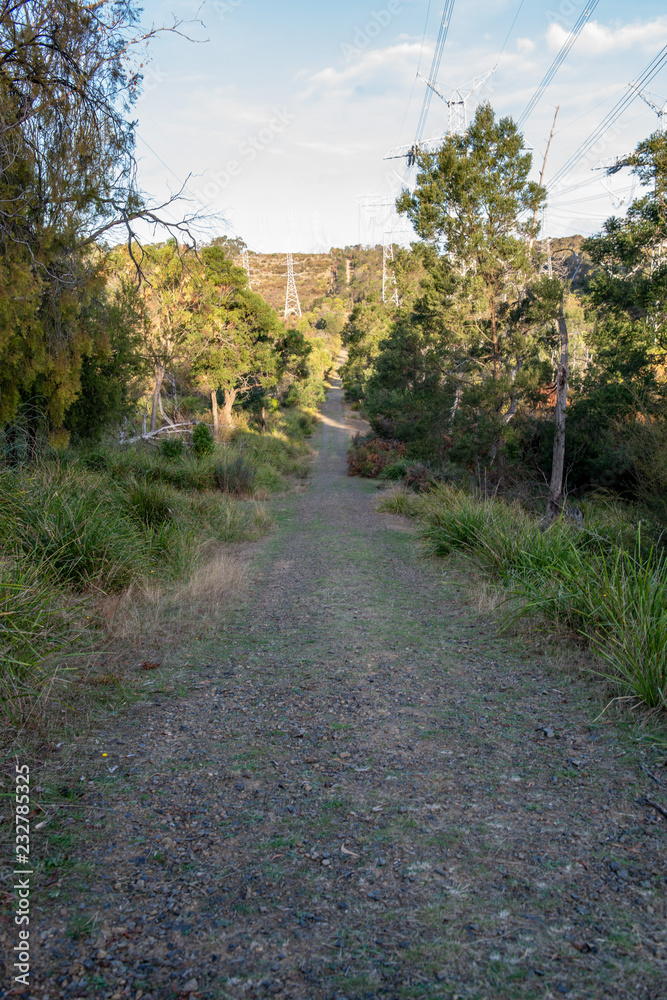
x,y
74,527
148,502
236,475
171,448
35,623
396,470
96,461
567,576
371,458
202,440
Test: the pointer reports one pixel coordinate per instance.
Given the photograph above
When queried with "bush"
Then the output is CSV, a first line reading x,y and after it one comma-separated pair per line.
x,y
148,502
202,440
236,475
579,578
171,448
371,458
35,623
396,470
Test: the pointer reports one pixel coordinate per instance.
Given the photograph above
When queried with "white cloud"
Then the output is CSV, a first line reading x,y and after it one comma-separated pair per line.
x,y
525,45
389,67
598,39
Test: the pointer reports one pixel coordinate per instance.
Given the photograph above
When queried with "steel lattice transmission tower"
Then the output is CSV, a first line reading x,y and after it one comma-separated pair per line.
x,y
389,287
457,110
292,305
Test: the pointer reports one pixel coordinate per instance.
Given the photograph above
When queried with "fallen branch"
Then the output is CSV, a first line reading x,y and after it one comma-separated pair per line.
x,y
181,428
657,807
657,780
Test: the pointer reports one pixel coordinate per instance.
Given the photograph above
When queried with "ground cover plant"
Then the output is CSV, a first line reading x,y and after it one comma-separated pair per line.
x,y
597,580
371,457
79,529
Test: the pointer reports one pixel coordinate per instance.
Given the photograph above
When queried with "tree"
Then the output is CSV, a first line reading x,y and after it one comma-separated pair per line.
x,y
236,336
113,374
69,74
621,397
167,294
473,206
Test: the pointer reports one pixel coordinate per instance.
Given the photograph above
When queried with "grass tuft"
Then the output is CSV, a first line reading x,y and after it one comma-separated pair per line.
x,y
597,581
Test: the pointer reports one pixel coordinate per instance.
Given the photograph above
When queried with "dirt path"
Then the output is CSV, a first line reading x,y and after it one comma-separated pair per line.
x,y
363,793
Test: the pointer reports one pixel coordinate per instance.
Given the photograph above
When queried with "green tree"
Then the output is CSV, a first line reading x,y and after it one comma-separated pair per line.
x,y
69,74
113,374
473,207
620,400
235,341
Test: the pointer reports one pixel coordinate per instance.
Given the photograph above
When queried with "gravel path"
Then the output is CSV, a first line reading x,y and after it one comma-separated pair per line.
x,y
360,792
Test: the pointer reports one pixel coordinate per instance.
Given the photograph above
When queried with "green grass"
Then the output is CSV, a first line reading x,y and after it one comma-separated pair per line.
x,y
77,528
600,582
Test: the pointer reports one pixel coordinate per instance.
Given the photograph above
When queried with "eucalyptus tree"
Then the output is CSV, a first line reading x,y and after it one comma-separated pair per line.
x,y
474,206
70,72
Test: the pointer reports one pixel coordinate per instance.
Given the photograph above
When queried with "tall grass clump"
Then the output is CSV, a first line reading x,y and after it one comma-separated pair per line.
x,y
235,475
35,622
583,579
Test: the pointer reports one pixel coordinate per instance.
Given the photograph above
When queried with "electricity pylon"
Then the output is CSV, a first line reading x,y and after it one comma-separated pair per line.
x,y
292,306
389,287
660,109
457,120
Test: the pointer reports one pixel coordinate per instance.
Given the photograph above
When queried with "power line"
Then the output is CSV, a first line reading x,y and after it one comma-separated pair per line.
x,y
621,105
509,33
583,18
435,66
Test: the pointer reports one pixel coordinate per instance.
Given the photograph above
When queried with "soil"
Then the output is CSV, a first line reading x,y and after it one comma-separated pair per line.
x,y
354,789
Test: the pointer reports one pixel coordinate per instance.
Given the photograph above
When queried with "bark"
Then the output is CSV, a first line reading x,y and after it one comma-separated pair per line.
x,y
214,407
455,406
160,371
555,500
494,341
230,396
164,416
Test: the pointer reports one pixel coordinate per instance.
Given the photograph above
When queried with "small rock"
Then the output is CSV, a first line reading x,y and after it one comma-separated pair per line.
x,y
239,786
191,986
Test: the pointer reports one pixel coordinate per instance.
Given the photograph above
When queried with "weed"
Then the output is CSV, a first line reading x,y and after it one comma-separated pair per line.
x,y
202,440
235,476
581,579
171,448
371,458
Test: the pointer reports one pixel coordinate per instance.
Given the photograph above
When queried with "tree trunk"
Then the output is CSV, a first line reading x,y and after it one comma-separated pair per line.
x,y
160,371
230,396
555,501
452,413
494,341
214,407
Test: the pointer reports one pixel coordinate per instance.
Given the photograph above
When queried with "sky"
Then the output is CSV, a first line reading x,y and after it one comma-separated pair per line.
x,y
278,113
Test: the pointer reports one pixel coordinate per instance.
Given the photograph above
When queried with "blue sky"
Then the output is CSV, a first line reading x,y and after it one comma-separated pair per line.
x,y
283,112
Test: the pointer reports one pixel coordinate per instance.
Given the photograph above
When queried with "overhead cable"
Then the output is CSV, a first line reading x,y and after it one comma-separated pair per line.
x,y
621,105
582,20
435,67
